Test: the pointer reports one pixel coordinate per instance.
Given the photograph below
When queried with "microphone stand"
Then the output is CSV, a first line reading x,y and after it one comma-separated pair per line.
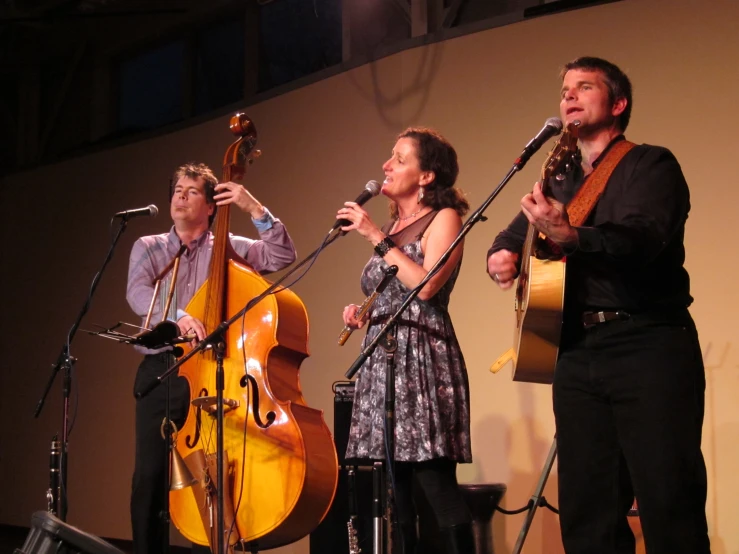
x,y
215,340
390,345
65,361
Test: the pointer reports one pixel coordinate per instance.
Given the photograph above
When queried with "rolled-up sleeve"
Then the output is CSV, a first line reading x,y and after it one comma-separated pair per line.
x,y
273,251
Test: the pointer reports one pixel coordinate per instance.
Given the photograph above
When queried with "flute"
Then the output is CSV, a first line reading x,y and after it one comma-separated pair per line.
x,y
350,525
390,272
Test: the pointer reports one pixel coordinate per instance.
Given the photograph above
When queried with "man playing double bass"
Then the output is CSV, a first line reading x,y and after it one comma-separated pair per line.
x,y
196,195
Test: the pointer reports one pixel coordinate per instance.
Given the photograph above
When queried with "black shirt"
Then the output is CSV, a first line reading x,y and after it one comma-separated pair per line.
x,y
630,253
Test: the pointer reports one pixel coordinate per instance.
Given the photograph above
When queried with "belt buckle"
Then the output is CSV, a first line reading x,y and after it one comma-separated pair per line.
x,y
594,318
587,324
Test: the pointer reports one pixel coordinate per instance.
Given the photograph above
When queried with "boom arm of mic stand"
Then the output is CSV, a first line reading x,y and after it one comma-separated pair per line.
x,y
466,228
65,361
64,358
212,337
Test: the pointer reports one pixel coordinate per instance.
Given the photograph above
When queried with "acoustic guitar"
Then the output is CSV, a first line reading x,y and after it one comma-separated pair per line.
x,y
540,288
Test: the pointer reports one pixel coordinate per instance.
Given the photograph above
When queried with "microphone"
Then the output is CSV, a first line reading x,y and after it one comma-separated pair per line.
x,y
150,210
371,189
552,128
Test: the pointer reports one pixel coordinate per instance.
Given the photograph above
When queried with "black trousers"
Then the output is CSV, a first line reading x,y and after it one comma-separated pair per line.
x,y
628,404
149,487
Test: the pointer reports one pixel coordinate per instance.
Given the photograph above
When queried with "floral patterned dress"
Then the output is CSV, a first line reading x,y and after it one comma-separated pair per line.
x,y
432,414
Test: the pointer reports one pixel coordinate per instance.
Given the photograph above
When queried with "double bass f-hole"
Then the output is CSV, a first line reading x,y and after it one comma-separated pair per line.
x,y
191,442
249,381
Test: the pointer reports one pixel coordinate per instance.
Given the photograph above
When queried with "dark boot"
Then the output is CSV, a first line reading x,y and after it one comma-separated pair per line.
x,y
458,539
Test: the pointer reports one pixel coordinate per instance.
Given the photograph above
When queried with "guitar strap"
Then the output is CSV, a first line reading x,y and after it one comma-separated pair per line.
x,y
579,208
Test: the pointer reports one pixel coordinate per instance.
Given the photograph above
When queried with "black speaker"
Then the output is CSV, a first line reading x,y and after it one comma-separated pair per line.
x,y
50,535
332,535
343,403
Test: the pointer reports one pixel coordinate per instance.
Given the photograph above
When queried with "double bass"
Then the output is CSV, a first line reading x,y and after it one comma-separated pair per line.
x,y
280,463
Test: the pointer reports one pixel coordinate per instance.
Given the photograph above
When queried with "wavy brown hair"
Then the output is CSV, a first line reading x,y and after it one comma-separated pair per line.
x,y
436,154
195,170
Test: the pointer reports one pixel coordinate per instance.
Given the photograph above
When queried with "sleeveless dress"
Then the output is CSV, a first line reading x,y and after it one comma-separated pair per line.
x,y
432,415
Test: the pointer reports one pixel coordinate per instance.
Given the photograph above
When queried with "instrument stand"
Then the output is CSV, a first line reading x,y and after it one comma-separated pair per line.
x,y
536,498
66,362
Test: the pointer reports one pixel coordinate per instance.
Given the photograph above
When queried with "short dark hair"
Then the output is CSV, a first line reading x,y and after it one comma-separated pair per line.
x,y
436,154
619,85
195,170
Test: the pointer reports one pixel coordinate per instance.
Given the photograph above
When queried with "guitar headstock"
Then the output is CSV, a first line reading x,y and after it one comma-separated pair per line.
x,y
561,154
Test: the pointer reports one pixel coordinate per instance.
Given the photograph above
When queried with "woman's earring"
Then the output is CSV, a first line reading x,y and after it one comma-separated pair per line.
x,y
420,194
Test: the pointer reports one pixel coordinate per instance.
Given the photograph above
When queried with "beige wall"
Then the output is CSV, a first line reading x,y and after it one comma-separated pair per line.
x,y
488,93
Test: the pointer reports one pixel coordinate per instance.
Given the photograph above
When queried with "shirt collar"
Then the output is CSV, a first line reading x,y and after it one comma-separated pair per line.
x,y
175,242
599,159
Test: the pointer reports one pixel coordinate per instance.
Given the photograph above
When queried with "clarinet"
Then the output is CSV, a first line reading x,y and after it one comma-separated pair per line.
x,y
353,538
53,493
390,272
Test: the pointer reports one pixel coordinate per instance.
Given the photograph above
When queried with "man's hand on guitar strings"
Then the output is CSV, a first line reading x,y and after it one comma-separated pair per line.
x,y
549,216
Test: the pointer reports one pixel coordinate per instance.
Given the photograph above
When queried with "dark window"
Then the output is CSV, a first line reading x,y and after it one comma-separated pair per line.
x,y
219,65
151,88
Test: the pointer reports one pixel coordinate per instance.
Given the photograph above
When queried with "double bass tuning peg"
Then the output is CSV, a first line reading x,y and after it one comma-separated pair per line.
x,y
254,156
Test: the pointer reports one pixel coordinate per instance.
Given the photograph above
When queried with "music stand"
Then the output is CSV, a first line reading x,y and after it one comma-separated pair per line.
x,y
163,335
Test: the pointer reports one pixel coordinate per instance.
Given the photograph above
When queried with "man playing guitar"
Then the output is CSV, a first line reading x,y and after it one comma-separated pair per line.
x,y
629,381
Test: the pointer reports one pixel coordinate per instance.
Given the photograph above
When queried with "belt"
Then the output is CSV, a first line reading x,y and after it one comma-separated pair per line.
x,y
591,319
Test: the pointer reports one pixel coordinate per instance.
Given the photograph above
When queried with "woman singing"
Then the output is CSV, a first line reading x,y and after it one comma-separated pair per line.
x,y
432,409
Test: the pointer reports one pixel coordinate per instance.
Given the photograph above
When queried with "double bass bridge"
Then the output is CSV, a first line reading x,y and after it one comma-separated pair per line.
x,y
209,404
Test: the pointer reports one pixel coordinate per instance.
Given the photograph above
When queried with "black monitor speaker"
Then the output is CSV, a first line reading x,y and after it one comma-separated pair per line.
x,y
332,535
50,535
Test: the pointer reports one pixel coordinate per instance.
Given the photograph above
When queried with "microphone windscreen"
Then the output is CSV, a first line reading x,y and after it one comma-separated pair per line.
x,y
373,187
556,123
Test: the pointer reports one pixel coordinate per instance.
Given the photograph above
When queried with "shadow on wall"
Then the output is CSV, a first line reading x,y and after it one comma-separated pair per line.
x,y
511,440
